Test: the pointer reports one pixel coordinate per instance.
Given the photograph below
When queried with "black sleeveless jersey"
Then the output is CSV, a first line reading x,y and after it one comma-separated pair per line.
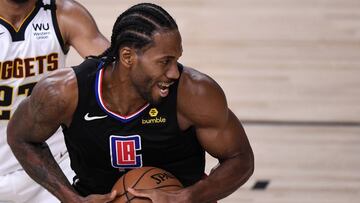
x,y
104,145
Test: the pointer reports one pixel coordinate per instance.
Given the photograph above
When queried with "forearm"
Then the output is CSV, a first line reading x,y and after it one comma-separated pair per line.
x,y
224,180
39,163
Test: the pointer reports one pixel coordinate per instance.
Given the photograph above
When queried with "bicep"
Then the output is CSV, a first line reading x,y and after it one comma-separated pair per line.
x,y
40,115
225,138
82,33
202,104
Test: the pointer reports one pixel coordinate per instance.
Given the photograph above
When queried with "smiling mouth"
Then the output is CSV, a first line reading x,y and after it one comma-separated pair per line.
x,y
164,85
164,88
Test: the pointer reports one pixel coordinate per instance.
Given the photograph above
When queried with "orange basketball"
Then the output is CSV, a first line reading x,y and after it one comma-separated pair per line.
x,y
144,178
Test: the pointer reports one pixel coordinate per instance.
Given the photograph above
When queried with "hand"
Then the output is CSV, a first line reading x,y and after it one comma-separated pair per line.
x,y
106,198
160,196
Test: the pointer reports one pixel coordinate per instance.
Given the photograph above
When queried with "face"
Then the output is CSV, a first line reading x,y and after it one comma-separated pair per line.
x,y
155,69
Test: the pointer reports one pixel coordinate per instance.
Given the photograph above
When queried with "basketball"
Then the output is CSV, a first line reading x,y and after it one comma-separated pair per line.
x,y
144,178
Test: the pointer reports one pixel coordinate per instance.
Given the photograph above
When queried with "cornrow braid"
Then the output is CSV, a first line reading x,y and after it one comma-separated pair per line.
x,y
135,28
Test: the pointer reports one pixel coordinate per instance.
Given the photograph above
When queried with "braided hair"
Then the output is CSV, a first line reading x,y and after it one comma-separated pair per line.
x,y
135,28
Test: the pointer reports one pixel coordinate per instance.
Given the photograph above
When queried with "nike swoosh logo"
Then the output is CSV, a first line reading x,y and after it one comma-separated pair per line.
x,y
90,118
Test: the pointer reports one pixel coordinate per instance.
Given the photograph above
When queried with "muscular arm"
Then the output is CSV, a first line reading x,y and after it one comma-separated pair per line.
x,y
34,121
201,103
78,29
219,132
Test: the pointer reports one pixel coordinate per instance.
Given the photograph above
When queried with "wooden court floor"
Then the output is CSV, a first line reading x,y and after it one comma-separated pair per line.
x,y
291,73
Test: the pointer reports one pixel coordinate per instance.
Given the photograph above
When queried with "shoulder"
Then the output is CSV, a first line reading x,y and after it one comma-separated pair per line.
x,y
200,96
194,83
68,10
56,94
56,84
68,7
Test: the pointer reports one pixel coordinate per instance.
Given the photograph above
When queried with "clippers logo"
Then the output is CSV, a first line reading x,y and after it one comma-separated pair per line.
x,y
154,119
123,151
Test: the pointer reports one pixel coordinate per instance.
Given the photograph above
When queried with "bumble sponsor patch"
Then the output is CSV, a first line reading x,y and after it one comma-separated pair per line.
x,y
153,112
154,118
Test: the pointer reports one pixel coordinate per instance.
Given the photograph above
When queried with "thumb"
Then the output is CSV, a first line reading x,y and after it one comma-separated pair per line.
x,y
110,196
139,193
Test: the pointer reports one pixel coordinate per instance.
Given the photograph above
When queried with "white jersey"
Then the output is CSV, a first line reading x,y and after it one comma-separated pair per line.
x,y
26,55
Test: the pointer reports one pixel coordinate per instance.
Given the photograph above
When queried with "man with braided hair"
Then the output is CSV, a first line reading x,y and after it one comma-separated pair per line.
x,y
133,106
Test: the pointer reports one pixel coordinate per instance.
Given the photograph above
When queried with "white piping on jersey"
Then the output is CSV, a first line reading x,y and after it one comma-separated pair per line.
x,y
98,95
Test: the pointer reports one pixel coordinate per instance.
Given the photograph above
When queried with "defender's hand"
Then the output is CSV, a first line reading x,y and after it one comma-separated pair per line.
x,y
160,196
106,198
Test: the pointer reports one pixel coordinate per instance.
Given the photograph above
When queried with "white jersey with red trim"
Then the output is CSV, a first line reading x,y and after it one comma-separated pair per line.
x,y
27,54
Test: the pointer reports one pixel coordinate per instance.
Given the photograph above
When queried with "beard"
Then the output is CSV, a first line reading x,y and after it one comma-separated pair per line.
x,y
144,88
146,94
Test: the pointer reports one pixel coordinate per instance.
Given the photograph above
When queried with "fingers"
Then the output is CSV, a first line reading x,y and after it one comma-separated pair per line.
x,y
113,194
96,198
140,193
110,196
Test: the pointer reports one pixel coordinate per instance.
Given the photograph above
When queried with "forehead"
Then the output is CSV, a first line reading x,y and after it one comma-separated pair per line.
x,y
166,43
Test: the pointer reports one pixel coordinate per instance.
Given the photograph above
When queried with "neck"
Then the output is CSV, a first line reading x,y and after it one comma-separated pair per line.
x,y
119,95
15,13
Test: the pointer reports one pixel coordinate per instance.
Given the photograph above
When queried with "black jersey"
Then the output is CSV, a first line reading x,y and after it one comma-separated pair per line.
x,y
104,145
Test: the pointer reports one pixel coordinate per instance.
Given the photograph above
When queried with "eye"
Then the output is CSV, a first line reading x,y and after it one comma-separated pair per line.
x,y
165,61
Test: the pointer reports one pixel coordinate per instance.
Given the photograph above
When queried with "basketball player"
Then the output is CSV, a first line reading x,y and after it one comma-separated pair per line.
x,y
35,37
133,106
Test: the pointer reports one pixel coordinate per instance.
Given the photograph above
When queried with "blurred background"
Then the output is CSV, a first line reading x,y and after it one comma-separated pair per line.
x,y
291,72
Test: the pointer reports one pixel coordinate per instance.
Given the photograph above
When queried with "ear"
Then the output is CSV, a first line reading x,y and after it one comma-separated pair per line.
x,y
127,56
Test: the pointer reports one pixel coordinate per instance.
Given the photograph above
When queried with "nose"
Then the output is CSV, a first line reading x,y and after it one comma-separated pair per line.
x,y
173,71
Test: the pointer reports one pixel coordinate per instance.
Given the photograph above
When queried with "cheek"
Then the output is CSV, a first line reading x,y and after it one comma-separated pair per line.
x,y
139,75
148,79
144,82
147,76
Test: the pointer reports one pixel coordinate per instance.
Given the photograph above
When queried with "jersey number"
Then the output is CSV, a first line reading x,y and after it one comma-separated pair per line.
x,y
6,96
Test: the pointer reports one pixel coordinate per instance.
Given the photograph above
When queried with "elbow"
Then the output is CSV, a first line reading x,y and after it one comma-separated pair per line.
x,y
13,137
10,136
9,139
251,164
247,165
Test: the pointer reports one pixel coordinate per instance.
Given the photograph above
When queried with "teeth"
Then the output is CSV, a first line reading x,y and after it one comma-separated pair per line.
x,y
166,85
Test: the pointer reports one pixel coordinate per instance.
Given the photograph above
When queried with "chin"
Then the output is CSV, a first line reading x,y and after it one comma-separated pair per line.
x,y
152,99
155,101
